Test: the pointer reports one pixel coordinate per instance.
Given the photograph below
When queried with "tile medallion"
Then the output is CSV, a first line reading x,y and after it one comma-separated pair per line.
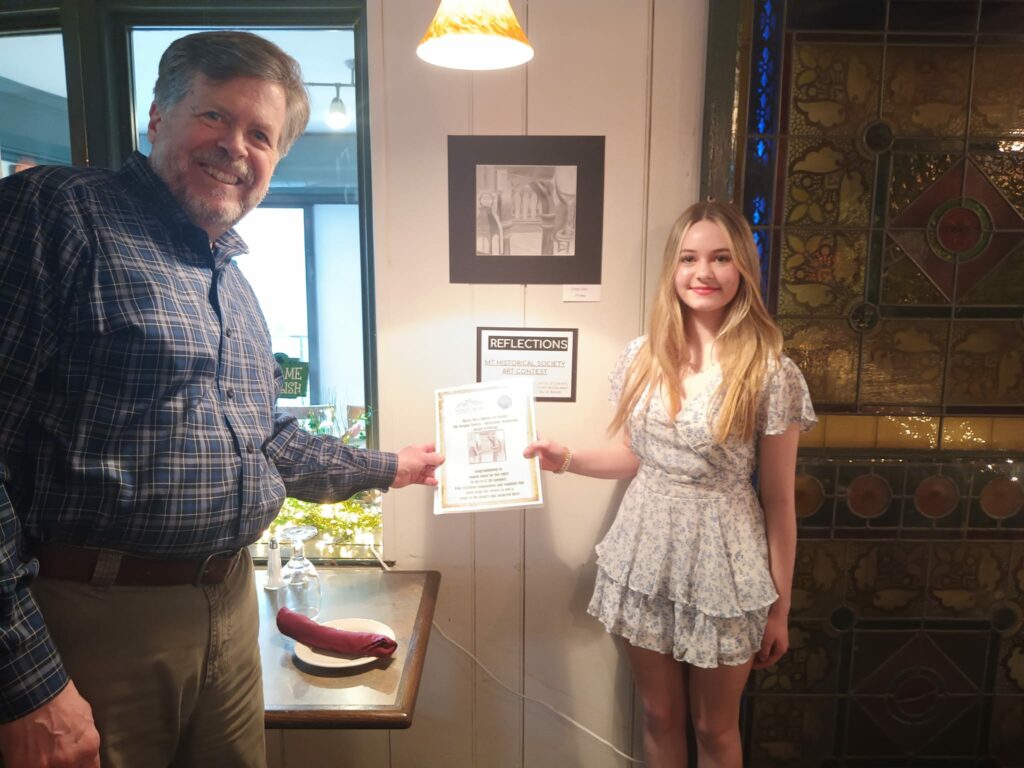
x,y
958,229
1002,497
868,496
810,495
936,496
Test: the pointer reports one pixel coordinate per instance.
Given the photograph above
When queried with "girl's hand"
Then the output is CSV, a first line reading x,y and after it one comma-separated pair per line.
x,y
775,642
551,454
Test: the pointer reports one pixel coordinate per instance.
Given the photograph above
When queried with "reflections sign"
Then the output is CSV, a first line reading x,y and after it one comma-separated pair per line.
x,y
545,356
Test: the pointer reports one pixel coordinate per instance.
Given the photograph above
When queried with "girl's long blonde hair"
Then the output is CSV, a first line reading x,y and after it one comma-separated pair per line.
x,y
746,344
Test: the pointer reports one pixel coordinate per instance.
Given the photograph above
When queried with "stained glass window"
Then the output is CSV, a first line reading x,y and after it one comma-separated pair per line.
x,y
881,172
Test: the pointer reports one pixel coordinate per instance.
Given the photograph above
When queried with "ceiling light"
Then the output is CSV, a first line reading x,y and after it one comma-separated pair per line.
x,y
475,34
337,116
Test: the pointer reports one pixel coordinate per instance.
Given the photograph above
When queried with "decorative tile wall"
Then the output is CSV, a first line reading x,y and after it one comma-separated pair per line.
x,y
881,168
906,628
880,159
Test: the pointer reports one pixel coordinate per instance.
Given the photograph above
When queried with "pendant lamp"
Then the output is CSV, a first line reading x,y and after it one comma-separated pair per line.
x,y
337,115
475,34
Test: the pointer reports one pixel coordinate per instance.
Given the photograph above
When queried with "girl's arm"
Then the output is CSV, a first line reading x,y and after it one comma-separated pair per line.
x,y
777,471
615,462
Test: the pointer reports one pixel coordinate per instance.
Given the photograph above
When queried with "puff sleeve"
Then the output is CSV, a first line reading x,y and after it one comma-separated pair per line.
x,y
617,377
785,400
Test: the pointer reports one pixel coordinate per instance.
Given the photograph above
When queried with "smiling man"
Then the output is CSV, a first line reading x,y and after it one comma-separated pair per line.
x,y
217,148
140,447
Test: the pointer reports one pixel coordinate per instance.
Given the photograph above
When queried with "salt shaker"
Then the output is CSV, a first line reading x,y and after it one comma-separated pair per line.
x,y
274,580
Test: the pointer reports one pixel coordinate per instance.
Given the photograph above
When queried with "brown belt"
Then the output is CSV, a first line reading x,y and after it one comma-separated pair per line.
x,y
106,567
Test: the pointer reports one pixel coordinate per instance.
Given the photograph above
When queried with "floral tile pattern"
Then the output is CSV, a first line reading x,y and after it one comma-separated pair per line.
x,y
925,89
881,172
880,161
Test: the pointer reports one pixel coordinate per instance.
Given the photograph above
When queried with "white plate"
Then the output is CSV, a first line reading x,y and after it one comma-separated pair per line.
x,y
330,660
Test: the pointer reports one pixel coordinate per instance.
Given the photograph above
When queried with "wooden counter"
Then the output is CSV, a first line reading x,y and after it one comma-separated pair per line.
x,y
379,695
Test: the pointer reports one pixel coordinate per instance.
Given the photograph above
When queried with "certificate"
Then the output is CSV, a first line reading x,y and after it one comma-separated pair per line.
x,y
482,430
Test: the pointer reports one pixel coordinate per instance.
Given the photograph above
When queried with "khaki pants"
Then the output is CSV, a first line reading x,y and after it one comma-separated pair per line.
x,y
172,673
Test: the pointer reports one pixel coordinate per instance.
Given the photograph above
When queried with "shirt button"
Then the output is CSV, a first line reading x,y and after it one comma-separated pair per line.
x,y
250,448
228,333
231,393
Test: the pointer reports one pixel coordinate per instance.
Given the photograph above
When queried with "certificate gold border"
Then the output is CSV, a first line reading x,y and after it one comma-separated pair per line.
x,y
535,497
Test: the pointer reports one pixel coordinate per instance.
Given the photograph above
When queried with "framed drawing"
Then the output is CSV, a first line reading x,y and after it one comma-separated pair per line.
x,y
525,209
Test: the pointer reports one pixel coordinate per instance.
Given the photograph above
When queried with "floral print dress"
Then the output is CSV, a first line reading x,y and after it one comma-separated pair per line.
x,y
684,567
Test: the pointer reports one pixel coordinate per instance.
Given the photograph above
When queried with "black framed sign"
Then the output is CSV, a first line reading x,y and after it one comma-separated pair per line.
x,y
525,209
545,356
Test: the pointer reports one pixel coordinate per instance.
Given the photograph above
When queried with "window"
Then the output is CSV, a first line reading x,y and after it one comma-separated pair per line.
x,y
34,115
311,293
877,157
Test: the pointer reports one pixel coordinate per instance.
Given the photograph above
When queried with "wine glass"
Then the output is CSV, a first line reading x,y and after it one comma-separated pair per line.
x,y
301,580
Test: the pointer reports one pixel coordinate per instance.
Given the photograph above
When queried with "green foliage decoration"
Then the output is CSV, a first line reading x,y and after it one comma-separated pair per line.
x,y
339,524
355,521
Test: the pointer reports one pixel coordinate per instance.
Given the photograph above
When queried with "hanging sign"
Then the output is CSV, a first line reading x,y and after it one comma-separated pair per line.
x,y
296,375
545,356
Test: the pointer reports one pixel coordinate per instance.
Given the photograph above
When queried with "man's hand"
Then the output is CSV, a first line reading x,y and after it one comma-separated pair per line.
x,y
60,734
416,464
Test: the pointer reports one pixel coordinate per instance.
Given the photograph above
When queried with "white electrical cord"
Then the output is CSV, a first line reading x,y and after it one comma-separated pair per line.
x,y
491,675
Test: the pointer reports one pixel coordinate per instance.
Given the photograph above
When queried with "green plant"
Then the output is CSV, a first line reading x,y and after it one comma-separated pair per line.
x,y
354,521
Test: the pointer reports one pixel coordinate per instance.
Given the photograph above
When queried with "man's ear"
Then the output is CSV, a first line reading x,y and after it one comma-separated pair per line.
x,y
154,118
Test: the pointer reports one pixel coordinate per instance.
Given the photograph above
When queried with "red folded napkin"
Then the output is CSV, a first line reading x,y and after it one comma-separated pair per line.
x,y
305,630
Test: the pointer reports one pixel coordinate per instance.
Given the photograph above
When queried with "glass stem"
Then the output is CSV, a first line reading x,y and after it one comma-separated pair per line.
x,y
298,550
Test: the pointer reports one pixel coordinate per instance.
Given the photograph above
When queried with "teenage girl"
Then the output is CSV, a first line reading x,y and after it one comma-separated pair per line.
x,y
696,571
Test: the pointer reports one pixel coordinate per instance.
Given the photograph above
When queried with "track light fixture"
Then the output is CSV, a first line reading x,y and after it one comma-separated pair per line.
x,y
338,116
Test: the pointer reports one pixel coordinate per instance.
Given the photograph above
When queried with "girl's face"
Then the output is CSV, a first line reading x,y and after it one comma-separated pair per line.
x,y
706,278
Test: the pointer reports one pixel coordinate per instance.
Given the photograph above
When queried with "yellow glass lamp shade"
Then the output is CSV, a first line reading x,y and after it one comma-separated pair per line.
x,y
475,34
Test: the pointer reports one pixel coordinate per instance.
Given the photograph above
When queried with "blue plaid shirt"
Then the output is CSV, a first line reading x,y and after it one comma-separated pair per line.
x,y
137,390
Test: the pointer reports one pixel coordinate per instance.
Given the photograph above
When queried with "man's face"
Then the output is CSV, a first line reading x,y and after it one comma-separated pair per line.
x,y
217,148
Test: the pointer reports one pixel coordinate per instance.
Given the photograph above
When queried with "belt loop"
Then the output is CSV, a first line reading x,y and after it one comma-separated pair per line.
x,y
108,563
200,579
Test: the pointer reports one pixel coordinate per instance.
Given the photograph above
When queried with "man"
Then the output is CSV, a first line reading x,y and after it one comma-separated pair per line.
x,y
140,451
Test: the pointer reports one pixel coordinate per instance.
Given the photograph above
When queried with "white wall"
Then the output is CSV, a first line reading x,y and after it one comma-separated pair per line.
x,y
515,584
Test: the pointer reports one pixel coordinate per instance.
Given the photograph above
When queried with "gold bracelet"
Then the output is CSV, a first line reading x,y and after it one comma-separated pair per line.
x,y
565,463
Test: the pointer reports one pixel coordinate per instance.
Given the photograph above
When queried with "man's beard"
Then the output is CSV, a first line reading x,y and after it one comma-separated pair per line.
x,y
203,212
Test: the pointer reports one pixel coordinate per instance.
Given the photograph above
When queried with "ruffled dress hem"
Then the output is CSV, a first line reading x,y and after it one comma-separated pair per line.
x,y
683,580
658,624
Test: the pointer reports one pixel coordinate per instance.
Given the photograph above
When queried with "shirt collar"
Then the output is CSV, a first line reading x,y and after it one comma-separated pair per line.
x,y
142,179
